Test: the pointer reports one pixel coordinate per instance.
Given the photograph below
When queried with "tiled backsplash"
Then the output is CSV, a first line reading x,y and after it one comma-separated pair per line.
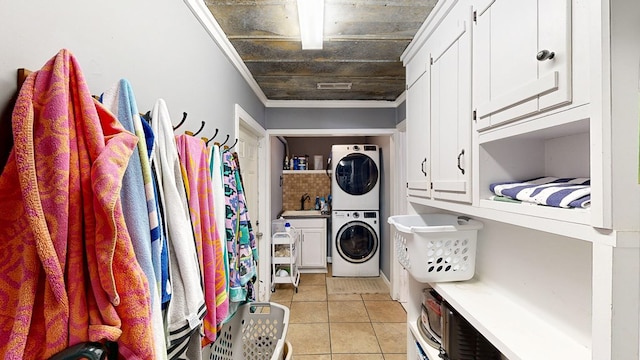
x,y
296,185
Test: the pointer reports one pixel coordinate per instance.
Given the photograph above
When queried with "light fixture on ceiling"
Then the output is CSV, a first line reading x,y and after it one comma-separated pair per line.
x,y
311,20
334,86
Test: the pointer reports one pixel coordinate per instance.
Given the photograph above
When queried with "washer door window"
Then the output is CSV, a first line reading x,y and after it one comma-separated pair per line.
x,y
356,174
357,242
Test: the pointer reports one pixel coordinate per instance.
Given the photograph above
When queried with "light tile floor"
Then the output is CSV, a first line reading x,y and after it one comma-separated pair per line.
x,y
342,327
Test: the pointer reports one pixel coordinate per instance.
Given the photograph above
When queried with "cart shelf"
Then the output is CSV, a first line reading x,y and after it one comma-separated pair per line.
x,y
284,251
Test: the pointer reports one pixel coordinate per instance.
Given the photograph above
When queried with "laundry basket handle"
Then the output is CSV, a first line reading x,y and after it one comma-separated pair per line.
x,y
466,219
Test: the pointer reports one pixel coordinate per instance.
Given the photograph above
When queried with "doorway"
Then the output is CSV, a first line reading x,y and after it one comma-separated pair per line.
x,y
251,139
319,141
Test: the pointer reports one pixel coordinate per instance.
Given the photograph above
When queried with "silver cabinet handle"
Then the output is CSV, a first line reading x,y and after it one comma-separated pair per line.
x,y
545,55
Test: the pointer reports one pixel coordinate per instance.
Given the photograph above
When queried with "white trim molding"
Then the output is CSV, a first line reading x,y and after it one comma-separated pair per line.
x,y
331,132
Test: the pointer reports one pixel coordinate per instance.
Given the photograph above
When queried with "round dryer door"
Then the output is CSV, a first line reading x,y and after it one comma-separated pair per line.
x,y
356,174
356,242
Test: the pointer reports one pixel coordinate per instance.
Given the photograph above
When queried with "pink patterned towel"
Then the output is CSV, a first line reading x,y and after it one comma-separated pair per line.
x,y
195,169
59,195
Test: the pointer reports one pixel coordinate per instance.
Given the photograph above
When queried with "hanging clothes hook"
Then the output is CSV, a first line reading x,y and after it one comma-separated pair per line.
x,y
184,118
225,140
227,148
197,132
213,137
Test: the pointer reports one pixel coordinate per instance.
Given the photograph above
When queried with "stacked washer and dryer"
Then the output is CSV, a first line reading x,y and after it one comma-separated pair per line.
x,y
355,191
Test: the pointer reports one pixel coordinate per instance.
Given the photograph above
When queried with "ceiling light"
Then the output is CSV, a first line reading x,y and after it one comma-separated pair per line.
x,y
311,19
334,86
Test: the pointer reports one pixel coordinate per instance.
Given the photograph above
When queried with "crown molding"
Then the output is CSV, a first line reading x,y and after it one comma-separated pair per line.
x,y
202,13
332,132
340,104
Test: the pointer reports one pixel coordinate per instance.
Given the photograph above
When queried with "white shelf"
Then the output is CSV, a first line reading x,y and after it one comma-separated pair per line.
x,y
428,349
540,218
566,121
576,216
513,329
283,260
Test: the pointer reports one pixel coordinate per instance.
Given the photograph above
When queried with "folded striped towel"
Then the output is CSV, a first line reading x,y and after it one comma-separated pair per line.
x,y
550,191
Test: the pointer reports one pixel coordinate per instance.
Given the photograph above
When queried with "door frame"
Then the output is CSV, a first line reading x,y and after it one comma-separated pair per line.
x,y
314,133
399,276
244,119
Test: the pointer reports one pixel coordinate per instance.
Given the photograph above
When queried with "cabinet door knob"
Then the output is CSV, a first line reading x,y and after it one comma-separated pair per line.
x,y
459,156
545,55
422,166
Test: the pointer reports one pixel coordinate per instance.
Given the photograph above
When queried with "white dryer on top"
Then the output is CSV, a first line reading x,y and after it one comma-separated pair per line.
x,y
355,180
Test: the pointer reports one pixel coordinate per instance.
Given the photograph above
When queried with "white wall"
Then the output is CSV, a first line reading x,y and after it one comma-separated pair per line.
x,y
158,45
550,275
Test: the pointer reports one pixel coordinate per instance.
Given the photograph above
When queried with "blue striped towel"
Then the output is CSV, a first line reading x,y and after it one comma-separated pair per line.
x,y
550,191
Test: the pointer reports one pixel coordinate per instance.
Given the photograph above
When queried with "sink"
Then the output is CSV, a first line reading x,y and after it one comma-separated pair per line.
x,y
301,213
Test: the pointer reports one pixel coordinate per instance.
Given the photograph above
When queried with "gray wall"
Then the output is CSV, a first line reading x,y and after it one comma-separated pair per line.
x,y
309,145
158,45
401,112
324,118
277,154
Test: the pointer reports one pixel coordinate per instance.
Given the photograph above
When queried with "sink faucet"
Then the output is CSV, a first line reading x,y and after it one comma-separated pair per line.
x,y
304,198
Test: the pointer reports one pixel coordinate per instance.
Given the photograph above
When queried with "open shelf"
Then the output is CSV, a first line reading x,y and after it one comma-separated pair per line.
x,y
415,334
513,329
549,126
536,219
577,216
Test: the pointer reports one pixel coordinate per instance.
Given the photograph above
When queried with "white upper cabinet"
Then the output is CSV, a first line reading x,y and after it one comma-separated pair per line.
x,y
522,58
450,93
418,137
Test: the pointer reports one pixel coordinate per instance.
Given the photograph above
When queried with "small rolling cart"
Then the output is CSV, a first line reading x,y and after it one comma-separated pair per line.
x,y
284,253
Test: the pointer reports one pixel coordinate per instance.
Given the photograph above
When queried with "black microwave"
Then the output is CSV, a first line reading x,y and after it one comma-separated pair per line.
x,y
442,327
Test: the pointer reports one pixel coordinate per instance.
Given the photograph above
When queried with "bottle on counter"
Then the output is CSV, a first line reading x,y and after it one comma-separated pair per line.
x,y
317,206
287,227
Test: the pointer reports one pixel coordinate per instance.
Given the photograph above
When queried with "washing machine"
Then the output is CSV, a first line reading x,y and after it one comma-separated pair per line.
x,y
355,180
355,243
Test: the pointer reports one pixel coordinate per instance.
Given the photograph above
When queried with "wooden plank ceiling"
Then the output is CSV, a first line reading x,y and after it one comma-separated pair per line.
x,y
363,41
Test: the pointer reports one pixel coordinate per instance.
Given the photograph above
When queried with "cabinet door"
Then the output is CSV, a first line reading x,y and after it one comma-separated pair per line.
x,y
418,138
451,108
313,243
522,58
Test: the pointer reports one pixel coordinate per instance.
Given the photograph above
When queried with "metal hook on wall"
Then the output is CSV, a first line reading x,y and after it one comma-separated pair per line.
x,y
197,132
227,148
225,140
213,137
184,118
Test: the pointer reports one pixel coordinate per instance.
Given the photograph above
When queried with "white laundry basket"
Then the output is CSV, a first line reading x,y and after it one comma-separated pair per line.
x,y
257,331
436,247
